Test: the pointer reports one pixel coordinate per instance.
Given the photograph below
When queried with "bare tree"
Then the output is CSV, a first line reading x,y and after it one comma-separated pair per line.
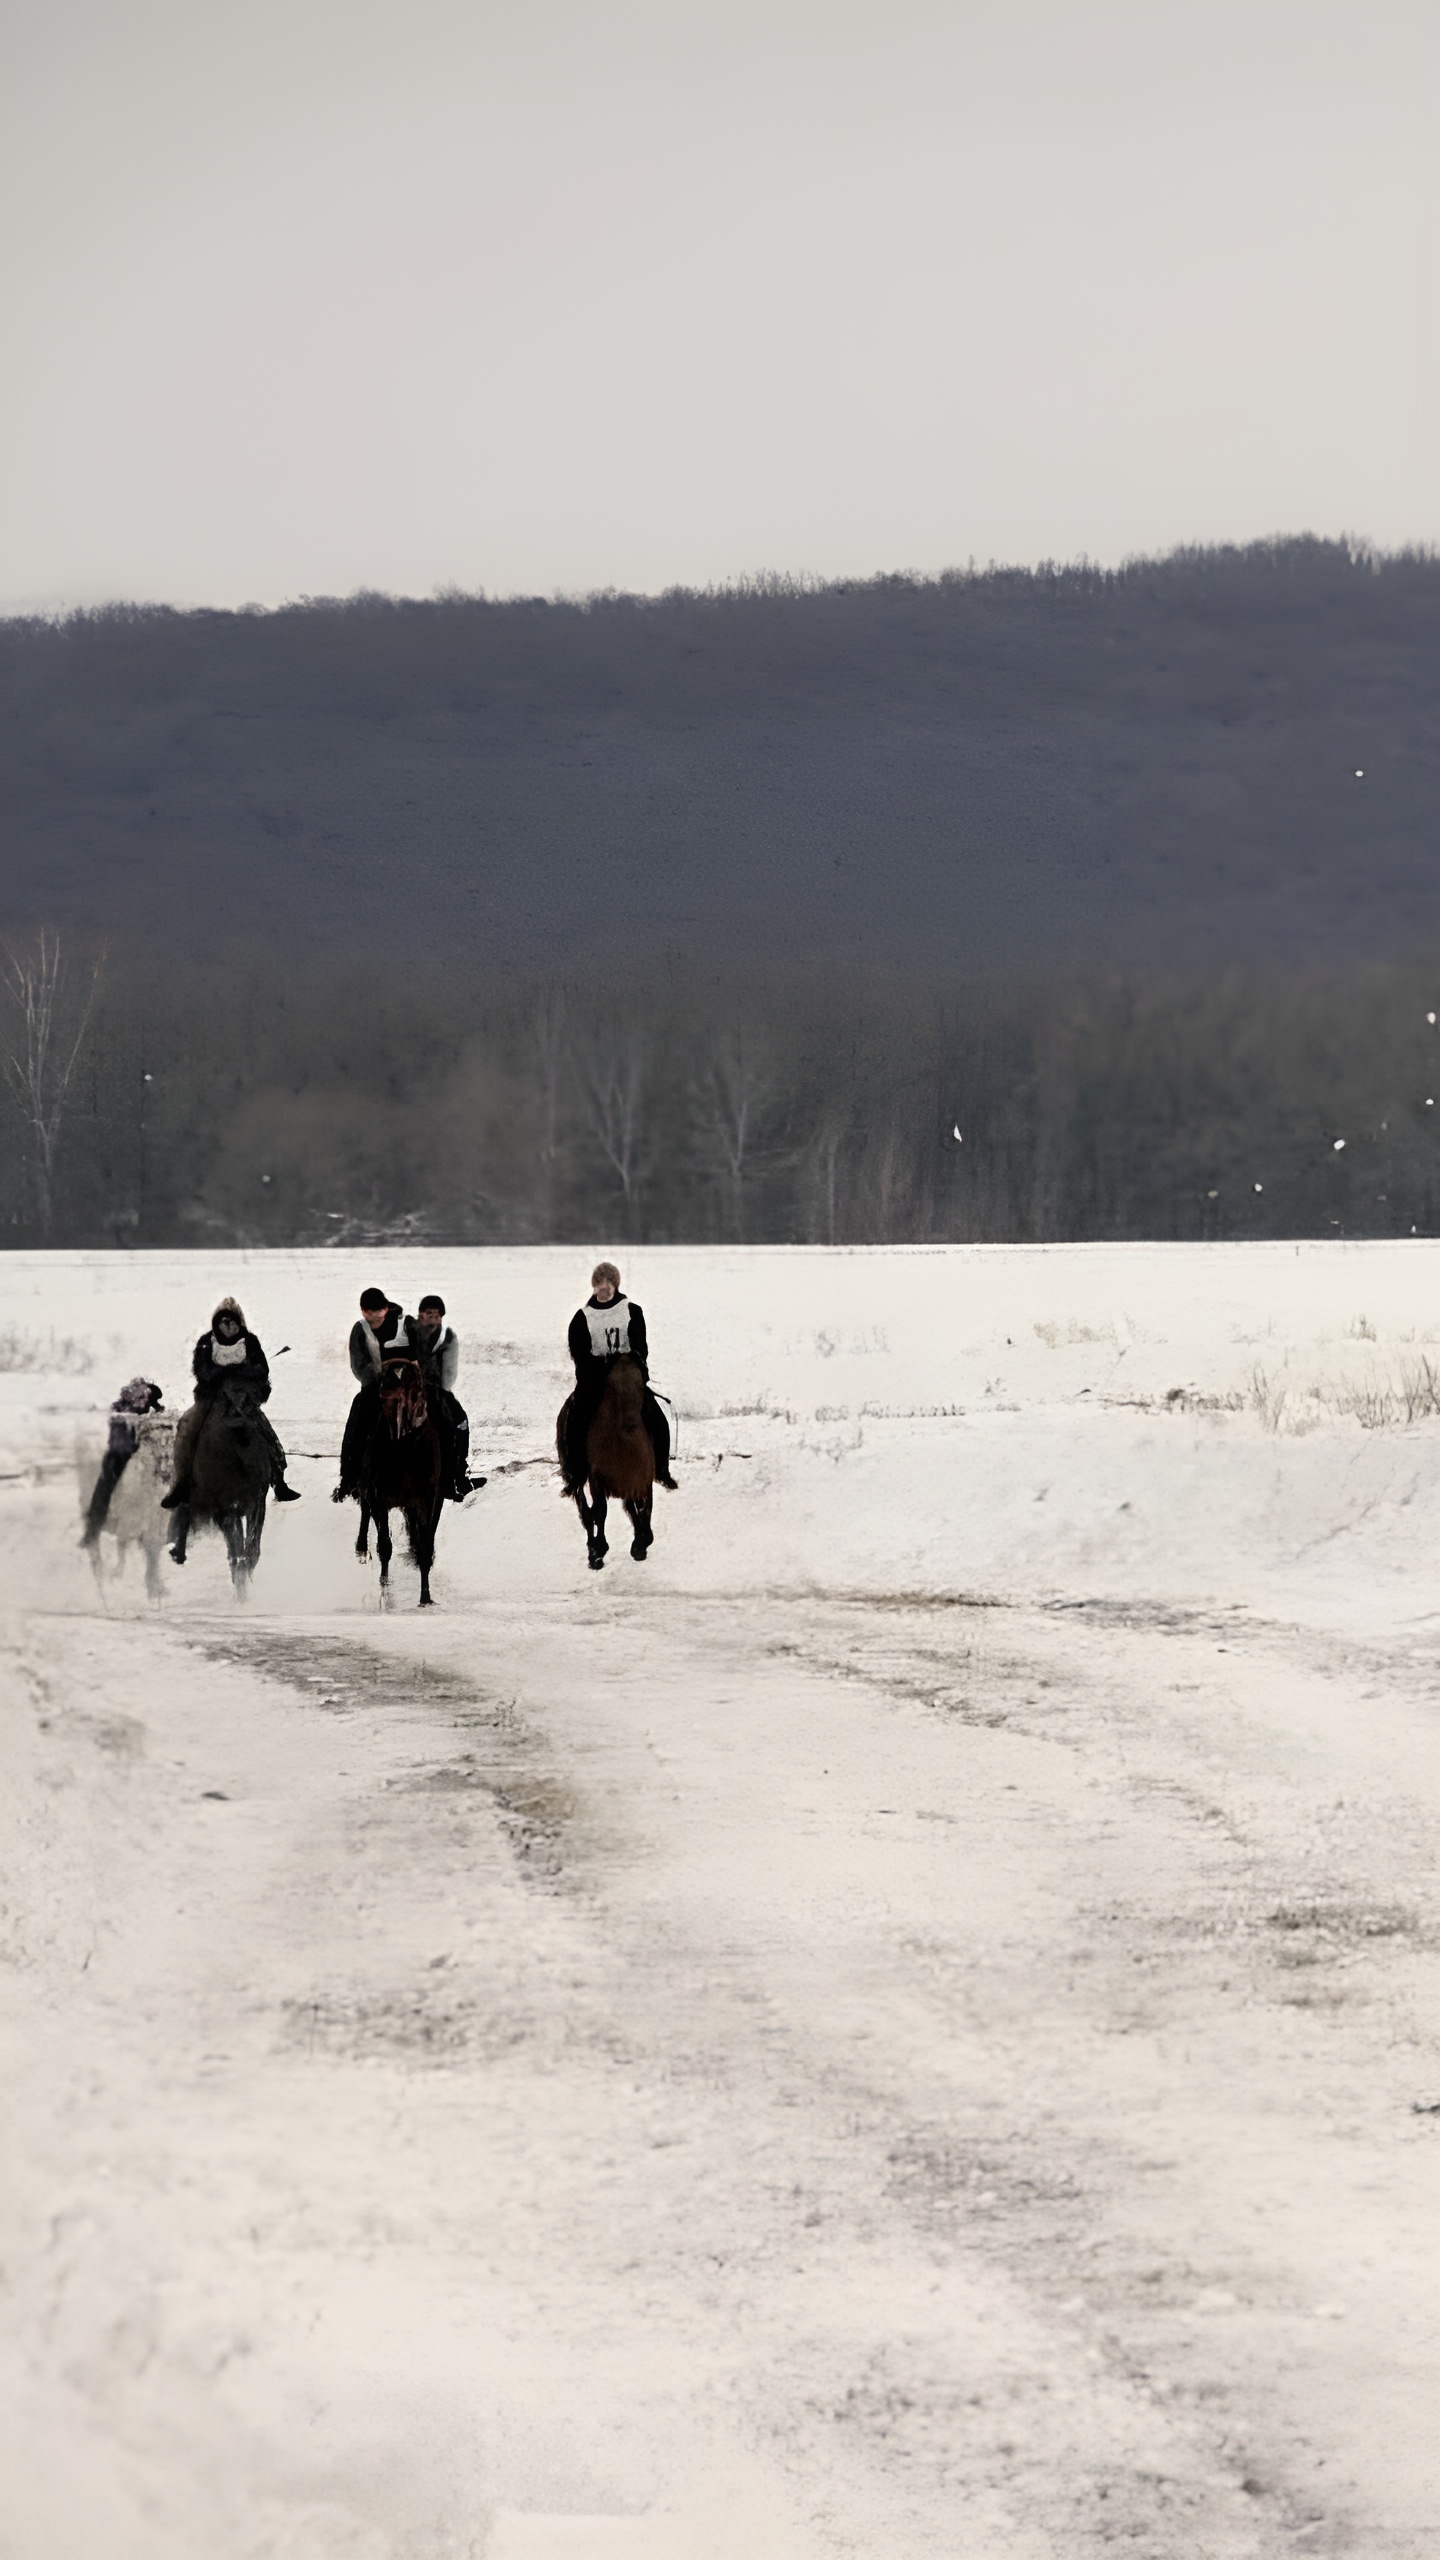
x,y
826,1157
612,1083
550,1036
734,1092
47,1017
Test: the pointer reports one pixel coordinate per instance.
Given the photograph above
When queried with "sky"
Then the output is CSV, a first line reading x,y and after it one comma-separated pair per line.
x,y
309,296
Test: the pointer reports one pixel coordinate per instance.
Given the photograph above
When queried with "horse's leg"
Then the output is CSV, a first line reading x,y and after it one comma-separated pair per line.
x,y
644,1537
154,1587
423,1541
594,1553
437,1514
236,1548
420,1539
362,1540
384,1548
599,1507
179,1533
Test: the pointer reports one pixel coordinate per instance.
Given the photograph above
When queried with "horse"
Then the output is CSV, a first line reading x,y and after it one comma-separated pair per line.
x,y
134,1517
402,1470
229,1485
619,1461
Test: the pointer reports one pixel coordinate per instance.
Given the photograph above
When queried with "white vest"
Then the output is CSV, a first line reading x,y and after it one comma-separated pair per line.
x,y
609,1328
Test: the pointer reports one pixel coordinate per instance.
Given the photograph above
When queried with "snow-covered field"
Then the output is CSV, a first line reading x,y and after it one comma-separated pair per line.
x,y
900,2027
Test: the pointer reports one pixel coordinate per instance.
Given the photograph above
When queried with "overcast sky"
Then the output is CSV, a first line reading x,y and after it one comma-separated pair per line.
x,y
300,296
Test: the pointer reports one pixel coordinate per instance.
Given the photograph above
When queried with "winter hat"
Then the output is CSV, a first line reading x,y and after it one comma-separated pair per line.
x,y
229,1307
373,1298
437,1303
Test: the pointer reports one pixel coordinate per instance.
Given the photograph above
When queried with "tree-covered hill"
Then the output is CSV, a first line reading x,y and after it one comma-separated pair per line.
x,y
1155,764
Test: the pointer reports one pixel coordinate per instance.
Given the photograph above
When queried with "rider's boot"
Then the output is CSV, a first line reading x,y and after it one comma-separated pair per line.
x,y
182,1532
286,1492
176,1498
668,1482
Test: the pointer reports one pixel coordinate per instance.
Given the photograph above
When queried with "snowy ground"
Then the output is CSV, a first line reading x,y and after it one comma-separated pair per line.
x,y
898,2028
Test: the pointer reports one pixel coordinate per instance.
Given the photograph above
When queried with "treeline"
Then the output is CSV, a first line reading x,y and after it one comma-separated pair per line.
x,y
242,1102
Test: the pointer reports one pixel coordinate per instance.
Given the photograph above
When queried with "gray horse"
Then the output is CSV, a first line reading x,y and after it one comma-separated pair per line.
x,y
134,1518
229,1482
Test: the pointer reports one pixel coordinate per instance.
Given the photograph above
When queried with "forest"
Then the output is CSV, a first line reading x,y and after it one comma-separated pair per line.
x,y
1006,904
246,1102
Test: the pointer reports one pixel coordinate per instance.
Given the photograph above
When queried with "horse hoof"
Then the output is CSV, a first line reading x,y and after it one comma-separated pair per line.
x,y
638,1552
597,1564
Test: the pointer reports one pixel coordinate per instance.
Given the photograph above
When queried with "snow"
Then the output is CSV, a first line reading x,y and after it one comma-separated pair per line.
x,y
897,2027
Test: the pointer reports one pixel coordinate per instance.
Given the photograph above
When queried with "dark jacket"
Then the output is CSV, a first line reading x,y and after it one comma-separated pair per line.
x,y
141,1396
252,1373
439,1357
582,1350
368,1348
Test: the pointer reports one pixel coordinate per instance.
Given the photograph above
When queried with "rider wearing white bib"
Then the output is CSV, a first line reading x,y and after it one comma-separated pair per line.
x,y
229,1365
608,1327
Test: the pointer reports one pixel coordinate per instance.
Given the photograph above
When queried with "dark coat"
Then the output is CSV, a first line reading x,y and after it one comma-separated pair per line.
x,y
588,1365
368,1348
252,1373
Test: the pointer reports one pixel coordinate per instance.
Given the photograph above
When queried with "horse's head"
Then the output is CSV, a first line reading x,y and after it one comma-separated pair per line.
x,y
402,1398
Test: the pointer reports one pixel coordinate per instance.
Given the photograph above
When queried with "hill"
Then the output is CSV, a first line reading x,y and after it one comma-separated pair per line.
x,y
1154,764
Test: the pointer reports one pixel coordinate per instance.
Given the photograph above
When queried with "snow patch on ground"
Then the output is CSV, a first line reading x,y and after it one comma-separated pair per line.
x,y
903,2025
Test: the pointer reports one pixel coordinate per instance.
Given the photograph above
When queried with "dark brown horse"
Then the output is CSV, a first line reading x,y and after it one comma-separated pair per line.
x,y
619,1462
402,1470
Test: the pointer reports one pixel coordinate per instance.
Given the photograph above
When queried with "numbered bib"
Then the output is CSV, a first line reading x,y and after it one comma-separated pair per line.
x,y
609,1328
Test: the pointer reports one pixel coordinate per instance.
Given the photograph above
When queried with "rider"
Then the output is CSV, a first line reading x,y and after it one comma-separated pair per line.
x,y
229,1365
139,1397
377,1334
606,1328
437,1348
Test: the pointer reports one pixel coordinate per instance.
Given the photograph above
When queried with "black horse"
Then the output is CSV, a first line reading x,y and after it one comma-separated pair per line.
x,y
229,1483
402,1470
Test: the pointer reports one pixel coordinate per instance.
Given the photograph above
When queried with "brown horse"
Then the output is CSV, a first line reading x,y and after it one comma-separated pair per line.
x,y
619,1461
402,1470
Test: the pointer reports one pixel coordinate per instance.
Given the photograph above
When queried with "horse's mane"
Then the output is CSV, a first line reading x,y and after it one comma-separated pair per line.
x,y
402,1397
